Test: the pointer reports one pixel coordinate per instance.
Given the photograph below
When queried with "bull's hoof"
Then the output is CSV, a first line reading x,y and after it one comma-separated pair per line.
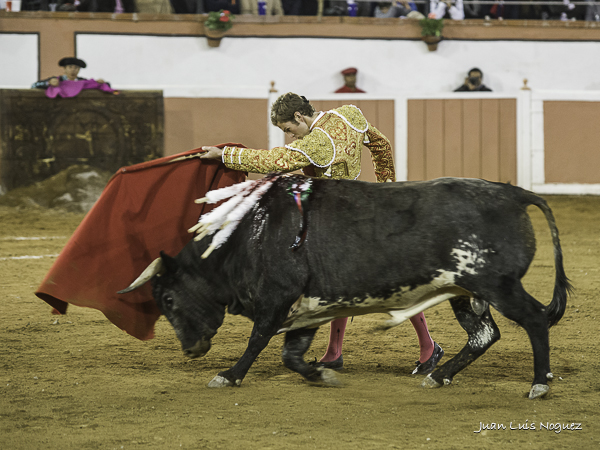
x,y
538,390
219,382
429,382
329,377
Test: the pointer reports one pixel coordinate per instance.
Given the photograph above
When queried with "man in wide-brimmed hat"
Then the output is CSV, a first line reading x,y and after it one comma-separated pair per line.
x,y
71,66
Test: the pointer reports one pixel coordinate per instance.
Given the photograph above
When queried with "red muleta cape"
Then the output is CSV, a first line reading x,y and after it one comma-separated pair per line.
x,y
144,209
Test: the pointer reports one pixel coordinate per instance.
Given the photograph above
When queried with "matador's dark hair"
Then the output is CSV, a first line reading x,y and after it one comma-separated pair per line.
x,y
286,105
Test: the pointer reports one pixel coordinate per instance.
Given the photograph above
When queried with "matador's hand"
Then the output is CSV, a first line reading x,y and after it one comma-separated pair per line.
x,y
212,153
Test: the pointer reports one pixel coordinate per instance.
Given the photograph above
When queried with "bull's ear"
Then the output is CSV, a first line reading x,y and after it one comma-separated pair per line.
x,y
170,263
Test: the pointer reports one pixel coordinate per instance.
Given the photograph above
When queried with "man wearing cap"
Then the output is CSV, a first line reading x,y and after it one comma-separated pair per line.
x,y
349,81
72,66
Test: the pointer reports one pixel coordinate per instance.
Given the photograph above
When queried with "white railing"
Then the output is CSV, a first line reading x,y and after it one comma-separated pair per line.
x,y
529,117
533,148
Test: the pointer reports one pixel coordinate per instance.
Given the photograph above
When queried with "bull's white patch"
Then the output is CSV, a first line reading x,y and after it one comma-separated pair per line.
x,y
482,337
308,312
469,256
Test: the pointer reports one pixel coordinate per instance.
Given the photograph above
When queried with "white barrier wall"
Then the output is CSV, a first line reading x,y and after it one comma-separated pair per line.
x,y
184,66
244,67
19,59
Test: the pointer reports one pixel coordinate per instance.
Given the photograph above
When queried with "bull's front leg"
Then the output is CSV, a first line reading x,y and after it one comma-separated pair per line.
x,y
234,376
269,315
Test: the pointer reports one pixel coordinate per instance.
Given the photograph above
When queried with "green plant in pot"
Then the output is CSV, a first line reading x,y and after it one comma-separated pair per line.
x,y
215,26
431,31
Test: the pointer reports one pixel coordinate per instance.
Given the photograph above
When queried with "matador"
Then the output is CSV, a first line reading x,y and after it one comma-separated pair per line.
x,y
327,145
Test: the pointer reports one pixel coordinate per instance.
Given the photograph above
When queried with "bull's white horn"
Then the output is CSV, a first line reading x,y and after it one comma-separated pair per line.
x,y
201,200
154,268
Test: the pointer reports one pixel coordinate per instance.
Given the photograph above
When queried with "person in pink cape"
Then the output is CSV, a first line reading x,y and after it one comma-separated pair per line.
x,y
69,84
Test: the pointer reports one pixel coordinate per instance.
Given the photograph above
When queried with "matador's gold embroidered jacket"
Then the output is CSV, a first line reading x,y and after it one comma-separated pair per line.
x,y
333,147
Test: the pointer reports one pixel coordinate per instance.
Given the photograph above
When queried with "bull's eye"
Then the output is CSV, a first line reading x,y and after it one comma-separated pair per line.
x,y
168,302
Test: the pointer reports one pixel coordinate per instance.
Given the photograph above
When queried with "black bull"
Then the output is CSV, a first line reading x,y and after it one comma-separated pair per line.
x,y
393,247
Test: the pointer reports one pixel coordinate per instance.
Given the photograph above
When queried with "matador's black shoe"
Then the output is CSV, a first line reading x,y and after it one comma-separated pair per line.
x,y
337,364
423,368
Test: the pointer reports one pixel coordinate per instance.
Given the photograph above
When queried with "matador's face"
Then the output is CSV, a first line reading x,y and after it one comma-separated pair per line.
x,y
295,129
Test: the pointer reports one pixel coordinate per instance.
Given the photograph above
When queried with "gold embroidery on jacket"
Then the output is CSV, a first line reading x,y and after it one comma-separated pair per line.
x,y
333,148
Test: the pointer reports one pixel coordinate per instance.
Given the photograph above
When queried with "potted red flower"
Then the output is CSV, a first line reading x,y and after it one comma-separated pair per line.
x,y
215,26
431,31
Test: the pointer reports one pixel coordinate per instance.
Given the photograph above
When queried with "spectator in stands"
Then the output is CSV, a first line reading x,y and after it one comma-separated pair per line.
x,y
565,10
187,6
570,11
349,81
336,8
273,7
291,7
342,8
233,6
300,7
398,8
447,8
473,82
117,6
592,11
164,7
504,10
71,66
474,10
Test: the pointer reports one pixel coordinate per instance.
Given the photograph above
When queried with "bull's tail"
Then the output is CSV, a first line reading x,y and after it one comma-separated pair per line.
x,y
562,286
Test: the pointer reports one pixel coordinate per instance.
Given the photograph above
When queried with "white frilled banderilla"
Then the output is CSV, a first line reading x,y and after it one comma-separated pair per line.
x,y
224,219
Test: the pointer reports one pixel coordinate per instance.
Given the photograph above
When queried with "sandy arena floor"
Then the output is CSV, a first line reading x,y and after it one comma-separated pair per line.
x,y
78,382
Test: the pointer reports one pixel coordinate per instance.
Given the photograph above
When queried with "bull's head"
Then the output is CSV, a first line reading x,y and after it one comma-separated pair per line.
x,y
186,300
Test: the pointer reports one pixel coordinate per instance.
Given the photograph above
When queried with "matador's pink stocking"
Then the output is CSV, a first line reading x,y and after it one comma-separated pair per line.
x,y
336,339
338,327
425,341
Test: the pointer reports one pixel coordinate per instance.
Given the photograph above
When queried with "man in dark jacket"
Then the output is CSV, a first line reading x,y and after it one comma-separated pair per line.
x,y
473,82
